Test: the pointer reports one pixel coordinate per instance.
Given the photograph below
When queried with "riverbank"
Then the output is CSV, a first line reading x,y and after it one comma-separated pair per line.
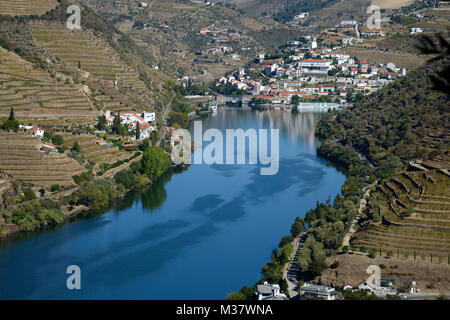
x,y
96,195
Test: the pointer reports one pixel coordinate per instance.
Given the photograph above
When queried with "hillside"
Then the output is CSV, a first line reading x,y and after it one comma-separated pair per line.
x,y
405,121
113,71
399,136
22,159
26,7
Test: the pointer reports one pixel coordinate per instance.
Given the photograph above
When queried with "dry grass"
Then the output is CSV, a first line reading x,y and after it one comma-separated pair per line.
x,y
352,270
392,4
26,7
21,158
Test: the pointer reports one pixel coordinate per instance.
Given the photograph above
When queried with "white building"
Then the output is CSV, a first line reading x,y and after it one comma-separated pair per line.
x,y
416,30
314,66
313,291
268,291
149,117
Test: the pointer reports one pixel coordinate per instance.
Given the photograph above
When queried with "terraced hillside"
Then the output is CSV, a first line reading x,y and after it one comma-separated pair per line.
x,y
32,91
94,152
81,47
22,159
415,213
26,7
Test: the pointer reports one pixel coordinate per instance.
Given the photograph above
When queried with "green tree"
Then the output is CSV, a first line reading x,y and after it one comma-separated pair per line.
x,y
57,140
155,162
298,227
126,178
11,115
236,296
138,131
29,194
295,99
101,124
11,124
76,147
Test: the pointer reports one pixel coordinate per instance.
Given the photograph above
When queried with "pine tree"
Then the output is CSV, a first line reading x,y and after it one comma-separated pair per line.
x,y
138,131
11,114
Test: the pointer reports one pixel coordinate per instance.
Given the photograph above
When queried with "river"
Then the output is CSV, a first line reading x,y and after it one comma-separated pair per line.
x,y
198,234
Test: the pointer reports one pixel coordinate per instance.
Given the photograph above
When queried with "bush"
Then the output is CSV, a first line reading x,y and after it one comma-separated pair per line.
x,y
345,249
373,253
236,296
57,140
285,240
55,188
334,265
29,194
126,178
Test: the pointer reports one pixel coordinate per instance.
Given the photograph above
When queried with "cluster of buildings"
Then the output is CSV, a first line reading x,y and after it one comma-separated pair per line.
x,y
311,73
144,120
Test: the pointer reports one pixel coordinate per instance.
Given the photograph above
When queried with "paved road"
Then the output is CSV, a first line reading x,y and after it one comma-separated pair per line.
x,y
292,270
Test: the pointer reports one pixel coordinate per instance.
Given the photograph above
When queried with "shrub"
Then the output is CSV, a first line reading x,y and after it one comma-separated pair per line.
x,y
126,178
29,194
345,249
55,188
57,140
334,265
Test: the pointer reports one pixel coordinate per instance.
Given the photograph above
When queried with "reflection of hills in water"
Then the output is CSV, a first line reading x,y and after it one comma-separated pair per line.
x,y
294,125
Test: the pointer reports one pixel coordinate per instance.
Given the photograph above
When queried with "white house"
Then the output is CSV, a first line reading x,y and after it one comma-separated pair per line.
x,y
149,117
37,132
416,30
313,291
269,291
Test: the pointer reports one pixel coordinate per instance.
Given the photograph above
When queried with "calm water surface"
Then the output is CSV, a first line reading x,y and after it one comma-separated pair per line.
x,y
199,234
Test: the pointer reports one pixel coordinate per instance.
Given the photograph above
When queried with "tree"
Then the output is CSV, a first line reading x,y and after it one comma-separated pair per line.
x,y
126,178
236,296
345,249
101,124
117,127
178,119
57,140
295,99
42,192
138,131
154,136
76,147
298,227
29,194
55,187
11,115
11,124
155,162
248,292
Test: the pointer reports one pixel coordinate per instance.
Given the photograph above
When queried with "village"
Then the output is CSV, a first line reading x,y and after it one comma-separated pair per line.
x,y
305,72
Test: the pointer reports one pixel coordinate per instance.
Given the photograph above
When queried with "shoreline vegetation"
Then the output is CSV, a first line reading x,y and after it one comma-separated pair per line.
x,y
371,141
91,197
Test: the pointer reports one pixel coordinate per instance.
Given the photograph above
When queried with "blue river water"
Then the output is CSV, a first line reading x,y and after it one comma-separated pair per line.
x,y
198,234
